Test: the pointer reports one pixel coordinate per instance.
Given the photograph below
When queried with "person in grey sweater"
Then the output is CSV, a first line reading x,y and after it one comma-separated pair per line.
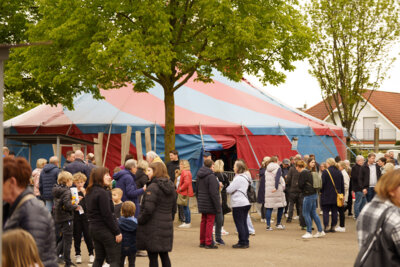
x,y
240,203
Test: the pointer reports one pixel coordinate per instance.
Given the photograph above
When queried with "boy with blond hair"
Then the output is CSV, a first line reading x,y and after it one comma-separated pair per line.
x,y
116,195
81,223
64,212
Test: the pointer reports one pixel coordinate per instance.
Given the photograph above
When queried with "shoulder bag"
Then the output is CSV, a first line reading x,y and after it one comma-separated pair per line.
x,y
377,250
251,193
339,197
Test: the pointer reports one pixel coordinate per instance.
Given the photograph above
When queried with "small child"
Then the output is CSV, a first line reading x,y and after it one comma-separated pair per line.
x,y
116,195
81,224
64,212
128,224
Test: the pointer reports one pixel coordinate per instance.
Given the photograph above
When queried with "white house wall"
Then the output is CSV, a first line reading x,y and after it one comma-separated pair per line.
x,y
388,130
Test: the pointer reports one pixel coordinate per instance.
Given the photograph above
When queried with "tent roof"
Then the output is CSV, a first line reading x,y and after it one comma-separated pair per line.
x,y
223,103
35,139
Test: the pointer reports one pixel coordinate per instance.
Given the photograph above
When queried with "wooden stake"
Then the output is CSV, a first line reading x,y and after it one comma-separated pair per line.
x,y
98,149
139,150
147,139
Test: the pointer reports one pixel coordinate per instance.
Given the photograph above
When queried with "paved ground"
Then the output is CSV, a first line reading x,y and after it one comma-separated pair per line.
x,y
272,248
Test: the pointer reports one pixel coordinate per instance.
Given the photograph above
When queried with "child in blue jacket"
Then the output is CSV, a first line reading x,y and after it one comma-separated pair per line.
x,y
128,224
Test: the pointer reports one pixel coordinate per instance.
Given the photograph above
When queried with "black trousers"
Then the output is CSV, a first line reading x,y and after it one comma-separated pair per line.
x,y
333,209
131,260
296,198
81,226
181,213
153,257
341,216
105,247
66,229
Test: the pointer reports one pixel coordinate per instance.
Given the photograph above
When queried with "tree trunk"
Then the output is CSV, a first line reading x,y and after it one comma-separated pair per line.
x,y
169,136
348,152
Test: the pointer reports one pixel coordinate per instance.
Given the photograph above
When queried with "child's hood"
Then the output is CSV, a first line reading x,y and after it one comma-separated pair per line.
x,y
126,224
59,190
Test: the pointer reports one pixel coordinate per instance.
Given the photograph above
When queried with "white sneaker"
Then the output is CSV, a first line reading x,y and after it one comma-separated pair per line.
x,y
253,233
280,227
296,217
78,259
286,215
91,258
263,220
185,225
340,229
307,235
106,265
223,232
319,234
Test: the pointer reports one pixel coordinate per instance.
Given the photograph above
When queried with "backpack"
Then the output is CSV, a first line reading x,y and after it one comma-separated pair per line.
x,y
317,181
251,193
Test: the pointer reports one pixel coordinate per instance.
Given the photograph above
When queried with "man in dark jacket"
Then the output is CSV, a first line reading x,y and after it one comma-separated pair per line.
x,y
369,176
79,166
295,196
23,210
356,186
173,164
69,158
208,202
48,178
125,180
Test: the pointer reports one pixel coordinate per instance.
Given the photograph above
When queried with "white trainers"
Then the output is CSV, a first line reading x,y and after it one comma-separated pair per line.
x,y
280,227
319,234
185,225
286,215
295,217
340,229
223,232
91,258
78,259
263,220
307,235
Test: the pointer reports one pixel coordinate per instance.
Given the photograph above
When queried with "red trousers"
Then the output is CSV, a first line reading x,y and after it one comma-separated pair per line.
x,y
206,228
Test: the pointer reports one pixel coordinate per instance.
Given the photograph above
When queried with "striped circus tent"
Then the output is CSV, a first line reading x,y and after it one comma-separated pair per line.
x,y
212,117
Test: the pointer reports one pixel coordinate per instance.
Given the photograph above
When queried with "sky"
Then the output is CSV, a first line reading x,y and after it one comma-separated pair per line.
x,y
301,88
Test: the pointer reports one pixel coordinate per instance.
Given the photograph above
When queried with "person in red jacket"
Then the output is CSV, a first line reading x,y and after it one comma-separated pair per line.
x,y
185,188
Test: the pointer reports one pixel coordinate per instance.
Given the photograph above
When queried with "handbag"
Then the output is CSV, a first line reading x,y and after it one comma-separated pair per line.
x,y
251,193
182,200
376,251
339,197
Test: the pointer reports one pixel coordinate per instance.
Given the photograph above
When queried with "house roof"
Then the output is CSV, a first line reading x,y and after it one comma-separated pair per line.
x,y
385,102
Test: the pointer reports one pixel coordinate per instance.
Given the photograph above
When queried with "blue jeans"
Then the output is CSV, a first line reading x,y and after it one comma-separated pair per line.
x,y
359,204
49,205
268,214
186,211
310,212
370,193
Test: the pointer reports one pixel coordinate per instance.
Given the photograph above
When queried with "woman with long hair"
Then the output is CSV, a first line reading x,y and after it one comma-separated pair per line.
x,y
219,219
274,195
102,222
240,203
261,187
185,188
155,231
332,182
385,205
19,249
346,179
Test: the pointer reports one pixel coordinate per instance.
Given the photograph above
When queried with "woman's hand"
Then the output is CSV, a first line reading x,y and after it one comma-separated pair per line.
x,y
118,238
274,190
144,188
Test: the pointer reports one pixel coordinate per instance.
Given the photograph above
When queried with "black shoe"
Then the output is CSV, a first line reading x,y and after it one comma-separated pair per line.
x,y
211,247
288,220
350,214
202,245
240,246
332,230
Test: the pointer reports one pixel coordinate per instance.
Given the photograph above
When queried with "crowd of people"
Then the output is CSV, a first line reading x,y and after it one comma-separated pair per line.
x,y
131,212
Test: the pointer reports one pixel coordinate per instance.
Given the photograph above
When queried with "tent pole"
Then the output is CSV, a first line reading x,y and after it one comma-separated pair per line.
x,y
201,136
323,143
58,150
108,142
286,136
251,147
347,148
155,137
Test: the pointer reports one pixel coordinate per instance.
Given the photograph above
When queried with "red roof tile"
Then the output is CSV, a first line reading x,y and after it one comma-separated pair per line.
x,y
385,102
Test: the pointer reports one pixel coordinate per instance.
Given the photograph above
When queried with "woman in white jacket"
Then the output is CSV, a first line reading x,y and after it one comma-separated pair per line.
x,y
274,195
346,178
240,203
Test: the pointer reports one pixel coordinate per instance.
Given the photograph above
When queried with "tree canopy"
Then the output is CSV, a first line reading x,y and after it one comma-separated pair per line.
x,y
106,44
351,52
